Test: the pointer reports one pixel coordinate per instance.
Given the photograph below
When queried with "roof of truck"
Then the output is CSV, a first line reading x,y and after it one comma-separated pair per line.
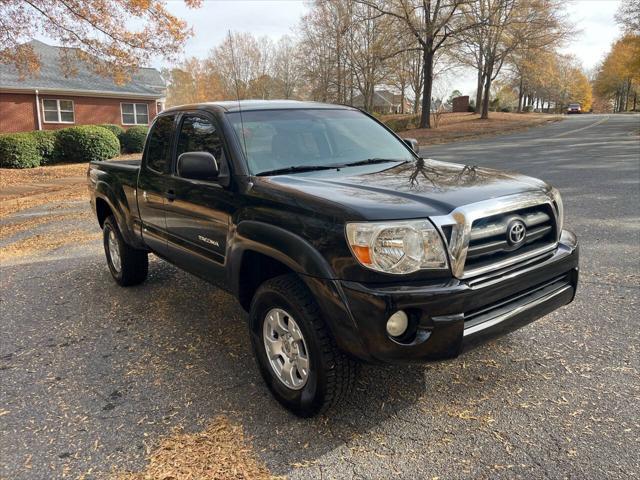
x,y
249,105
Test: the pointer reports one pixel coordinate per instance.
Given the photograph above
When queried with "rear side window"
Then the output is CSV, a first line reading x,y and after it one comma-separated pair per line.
x,y
159,139
199,134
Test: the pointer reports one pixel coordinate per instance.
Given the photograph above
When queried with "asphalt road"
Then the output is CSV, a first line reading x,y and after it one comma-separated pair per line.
x,y
92,375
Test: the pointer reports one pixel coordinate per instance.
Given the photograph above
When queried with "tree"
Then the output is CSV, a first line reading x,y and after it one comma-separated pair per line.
x,y
618,77
373,41
325,36
628,16
433,24
285,68
508,31
244,65
97,31
193,81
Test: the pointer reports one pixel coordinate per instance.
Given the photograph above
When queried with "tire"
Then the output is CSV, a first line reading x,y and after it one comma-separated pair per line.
x,y
331,374
128,266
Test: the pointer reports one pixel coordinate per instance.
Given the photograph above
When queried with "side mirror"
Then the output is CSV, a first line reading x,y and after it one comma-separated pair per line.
x,y
198,166
412,143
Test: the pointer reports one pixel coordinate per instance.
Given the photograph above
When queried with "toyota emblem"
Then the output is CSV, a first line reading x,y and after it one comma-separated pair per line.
x,y
516,233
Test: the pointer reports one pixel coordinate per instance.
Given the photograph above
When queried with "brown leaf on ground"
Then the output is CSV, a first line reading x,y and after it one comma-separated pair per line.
x,y
31,187
38,244
219,452
9,230
463,126
16,176
67,193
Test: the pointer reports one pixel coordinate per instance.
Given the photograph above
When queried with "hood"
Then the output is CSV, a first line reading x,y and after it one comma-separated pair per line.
x,y
410,190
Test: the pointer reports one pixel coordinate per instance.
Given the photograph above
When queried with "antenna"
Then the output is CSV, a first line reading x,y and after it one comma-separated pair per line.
x,y
235,78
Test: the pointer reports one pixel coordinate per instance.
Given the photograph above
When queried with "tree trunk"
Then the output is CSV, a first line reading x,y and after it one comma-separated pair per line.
x,y
480,81
487,92
427,68
402,99
520,95
626,98
479,90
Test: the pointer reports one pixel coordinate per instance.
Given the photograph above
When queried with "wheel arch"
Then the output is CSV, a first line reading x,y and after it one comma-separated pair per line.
x,y
261,251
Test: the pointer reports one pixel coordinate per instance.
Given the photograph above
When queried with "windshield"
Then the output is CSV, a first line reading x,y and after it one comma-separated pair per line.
x,y
280,139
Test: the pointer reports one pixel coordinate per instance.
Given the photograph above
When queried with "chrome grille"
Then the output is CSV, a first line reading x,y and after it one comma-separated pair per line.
x,y
489,236
475,233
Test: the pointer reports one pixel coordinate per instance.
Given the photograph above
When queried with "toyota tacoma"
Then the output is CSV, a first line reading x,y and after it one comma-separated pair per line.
x,y
338,239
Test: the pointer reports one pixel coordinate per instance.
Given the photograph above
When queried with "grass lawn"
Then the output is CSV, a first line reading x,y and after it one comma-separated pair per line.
x,y
458,126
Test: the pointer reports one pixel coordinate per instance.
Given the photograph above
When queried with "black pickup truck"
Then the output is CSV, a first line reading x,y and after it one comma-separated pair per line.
x,y
338,239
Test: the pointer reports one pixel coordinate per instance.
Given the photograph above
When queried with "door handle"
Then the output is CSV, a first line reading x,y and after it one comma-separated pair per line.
x,y
170,195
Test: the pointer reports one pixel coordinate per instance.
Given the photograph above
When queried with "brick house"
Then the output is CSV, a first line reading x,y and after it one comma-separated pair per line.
x,y
385,102
50,100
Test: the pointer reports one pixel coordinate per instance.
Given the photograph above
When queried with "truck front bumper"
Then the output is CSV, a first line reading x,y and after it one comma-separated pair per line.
x,y
446,319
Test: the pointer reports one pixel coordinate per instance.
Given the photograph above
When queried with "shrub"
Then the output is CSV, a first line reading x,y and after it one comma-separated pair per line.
x,y
528,109
19,150
471,109
402,123
45,143
85,143
505,109
133,139
117,130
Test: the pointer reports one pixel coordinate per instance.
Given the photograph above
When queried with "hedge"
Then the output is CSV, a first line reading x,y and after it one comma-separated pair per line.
x,y
117,130
46,144
19,150
133,139
85,143
402,123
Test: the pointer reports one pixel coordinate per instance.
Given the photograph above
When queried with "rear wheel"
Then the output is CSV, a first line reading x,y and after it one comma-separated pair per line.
x,y
128,266
296,354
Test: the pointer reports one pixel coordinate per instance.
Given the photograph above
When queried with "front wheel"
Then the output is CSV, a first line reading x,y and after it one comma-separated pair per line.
x,y
128,266
296,354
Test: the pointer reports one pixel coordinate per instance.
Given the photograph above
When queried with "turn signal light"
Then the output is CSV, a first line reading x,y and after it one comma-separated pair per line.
x,y
363,254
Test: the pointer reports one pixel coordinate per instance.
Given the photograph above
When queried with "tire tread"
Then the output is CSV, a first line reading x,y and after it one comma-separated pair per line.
x,y
341,369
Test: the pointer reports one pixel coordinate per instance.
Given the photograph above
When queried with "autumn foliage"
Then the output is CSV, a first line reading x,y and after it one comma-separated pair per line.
x,y
618,77
97,31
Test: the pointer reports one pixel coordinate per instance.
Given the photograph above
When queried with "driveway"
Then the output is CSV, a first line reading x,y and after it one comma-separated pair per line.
x,y
93,376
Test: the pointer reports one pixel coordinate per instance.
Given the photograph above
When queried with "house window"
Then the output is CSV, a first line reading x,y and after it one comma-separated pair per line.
x,y
57,111
135,113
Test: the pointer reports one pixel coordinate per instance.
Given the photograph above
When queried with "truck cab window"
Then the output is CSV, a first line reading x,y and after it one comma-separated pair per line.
x,y
199,134
159,139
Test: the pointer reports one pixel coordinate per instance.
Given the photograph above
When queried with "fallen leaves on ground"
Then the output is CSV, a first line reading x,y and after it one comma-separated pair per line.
x,y
456,126
219,452
11,229
59,195
31,187
36,244
17,176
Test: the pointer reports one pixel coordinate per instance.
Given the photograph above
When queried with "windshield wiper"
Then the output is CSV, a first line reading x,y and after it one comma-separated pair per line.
x,y
296,169
370,161
312,168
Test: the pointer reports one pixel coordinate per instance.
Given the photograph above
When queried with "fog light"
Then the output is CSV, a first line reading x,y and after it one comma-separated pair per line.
x,y
397,324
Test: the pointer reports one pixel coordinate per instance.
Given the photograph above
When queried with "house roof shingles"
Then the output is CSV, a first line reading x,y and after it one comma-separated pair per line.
x,y
145,82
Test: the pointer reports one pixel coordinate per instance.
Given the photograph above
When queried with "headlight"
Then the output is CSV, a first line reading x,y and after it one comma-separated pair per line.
x,y
557,200
397,247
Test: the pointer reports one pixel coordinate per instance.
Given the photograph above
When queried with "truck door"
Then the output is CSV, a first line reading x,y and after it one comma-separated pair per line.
x,y
153,183
197,211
